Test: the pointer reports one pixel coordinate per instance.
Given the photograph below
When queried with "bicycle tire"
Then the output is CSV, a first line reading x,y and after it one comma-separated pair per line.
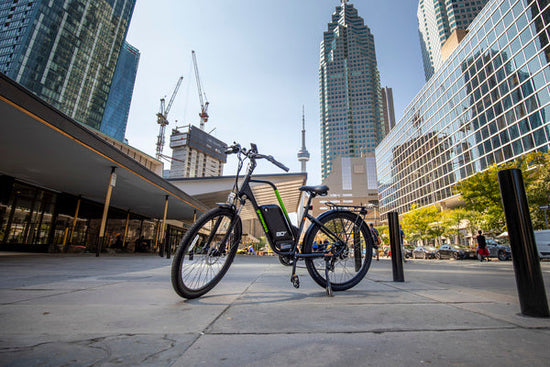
x,y
356,250
199,263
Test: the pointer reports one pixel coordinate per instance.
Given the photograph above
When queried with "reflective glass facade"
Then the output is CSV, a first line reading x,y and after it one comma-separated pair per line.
x,y
437,19
349,89
489,103
115,117
64,51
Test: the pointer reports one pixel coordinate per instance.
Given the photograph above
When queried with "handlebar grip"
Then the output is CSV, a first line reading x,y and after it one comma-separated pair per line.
x,y
280,165
232,149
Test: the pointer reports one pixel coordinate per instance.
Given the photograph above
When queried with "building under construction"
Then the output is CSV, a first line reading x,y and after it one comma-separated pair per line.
x,y
195,153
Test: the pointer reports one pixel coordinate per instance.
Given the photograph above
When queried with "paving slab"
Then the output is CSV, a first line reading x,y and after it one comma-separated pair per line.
x,y
122,311
155,350
488,348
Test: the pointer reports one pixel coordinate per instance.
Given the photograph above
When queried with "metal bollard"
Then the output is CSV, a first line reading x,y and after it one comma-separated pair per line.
x,y
395,245
532,295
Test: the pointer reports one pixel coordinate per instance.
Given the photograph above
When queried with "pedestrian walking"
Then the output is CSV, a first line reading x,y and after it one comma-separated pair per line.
x,y
376,239
482,252
402,240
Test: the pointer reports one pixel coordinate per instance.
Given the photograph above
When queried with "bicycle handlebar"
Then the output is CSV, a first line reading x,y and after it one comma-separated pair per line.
x,y
253,154
278,164
235,148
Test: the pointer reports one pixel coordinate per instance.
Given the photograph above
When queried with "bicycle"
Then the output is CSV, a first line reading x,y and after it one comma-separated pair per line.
x,y
337,246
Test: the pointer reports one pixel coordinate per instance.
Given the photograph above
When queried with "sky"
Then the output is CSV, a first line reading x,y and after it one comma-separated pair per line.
x,y
258,63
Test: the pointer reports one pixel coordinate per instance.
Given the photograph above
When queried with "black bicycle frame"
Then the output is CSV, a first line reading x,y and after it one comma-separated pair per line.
x,y
245,193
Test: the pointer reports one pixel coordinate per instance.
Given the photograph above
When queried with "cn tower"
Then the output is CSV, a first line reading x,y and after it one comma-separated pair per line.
x,y
303,154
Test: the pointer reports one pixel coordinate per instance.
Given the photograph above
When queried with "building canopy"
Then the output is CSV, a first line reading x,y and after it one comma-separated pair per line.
x,y
41,146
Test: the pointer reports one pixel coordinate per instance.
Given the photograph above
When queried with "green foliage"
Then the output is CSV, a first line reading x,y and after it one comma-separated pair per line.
x,y
482,207
384,232
262,241
452,221
481,192
421,223
536,176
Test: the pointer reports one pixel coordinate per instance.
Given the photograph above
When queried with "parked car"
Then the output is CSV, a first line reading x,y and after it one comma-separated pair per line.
x,y
448,252
468,252
408,251
542,239
424,252
455,252
498,250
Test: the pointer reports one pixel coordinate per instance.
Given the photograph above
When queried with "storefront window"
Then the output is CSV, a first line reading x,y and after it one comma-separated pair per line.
x,y
27,216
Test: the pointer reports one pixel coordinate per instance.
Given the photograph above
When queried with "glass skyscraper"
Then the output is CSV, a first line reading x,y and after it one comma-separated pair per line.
x,y
64,51
388,109
489,103
115,117
437,20
349,89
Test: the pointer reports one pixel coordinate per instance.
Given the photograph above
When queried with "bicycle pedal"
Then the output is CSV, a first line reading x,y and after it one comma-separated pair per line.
x,y
295,281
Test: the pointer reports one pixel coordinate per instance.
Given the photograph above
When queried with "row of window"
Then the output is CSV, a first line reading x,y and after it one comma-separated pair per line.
x,y
489,105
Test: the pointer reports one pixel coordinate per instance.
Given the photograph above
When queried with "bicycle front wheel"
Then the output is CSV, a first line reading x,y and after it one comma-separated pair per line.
x,y
206,252
350,255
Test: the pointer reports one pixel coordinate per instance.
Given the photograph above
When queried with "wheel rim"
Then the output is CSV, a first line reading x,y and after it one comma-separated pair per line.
x,y
352,252
204,260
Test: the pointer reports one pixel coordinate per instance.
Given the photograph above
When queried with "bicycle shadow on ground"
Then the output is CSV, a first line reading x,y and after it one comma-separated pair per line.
x,y
263,297
279,297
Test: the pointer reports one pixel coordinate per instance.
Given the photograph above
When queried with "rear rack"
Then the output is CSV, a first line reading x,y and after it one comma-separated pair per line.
x,y
361,209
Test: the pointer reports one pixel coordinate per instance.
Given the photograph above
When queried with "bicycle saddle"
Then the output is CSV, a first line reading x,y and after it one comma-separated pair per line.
x,y
316,190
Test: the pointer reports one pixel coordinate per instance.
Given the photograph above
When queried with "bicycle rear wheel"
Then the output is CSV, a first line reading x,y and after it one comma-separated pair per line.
x,y
206,252
352,251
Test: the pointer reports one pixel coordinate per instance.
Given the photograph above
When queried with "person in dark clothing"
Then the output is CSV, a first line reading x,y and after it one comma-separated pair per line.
x,y
402,243
375,239
482,252
118,243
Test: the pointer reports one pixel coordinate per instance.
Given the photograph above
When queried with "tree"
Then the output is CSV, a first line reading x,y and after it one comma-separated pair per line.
x,y
481,192
453,220
536,176
384,232
418,222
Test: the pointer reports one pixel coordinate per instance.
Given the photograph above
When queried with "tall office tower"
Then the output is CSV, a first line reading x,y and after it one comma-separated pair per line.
x,y
303,154
64,51
388,109
115,117
349,89
437,20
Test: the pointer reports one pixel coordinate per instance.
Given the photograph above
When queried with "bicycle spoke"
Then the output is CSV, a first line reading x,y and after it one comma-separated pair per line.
x,y
349,250
206,253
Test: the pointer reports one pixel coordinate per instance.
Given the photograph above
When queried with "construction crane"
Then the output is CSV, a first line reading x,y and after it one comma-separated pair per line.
x,y
162,118
202,96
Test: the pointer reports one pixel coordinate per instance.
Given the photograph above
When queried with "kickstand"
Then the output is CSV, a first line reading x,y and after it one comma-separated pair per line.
x,y
327,268
294,277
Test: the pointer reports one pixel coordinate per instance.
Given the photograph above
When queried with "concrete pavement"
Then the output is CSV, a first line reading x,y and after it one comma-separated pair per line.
x,y
120,310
